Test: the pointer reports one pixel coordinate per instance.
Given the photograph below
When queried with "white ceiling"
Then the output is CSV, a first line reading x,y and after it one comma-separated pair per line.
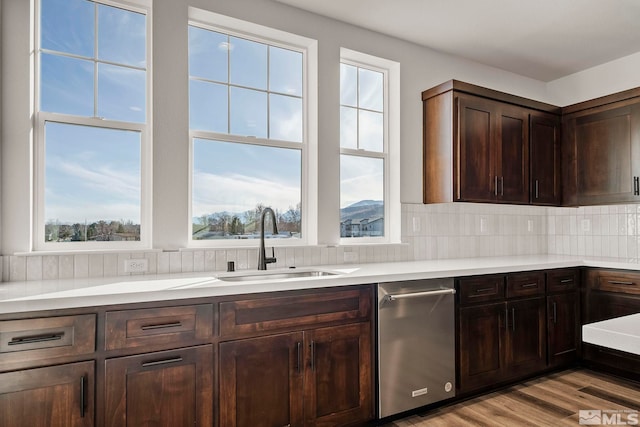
x,y
542,39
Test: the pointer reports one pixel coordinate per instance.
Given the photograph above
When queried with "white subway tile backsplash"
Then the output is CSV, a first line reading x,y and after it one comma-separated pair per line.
x,y
447,230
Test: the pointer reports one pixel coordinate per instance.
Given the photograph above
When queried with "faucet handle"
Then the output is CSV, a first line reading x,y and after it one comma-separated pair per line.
x,y
272,259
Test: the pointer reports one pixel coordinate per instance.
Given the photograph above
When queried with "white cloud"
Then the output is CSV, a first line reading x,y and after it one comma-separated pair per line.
x,y
238,193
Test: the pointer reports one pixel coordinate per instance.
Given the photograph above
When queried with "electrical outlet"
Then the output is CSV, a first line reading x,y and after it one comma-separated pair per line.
x,y
136,265
350,256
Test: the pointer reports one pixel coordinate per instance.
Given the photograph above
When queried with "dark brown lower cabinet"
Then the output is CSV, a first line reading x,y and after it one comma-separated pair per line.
x,y
320,377
500,342
563,333
55,396
168,388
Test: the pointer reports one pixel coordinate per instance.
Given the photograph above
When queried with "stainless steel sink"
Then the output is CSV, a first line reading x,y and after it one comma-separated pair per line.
x,y
276,275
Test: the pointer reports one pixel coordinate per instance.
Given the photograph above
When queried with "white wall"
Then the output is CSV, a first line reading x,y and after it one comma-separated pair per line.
x,y
604,79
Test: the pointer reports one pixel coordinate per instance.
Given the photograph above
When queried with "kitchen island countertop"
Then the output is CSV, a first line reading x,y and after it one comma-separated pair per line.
x,y
620,333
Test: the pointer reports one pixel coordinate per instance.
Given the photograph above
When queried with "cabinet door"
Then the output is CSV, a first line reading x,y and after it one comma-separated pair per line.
x,y
474,168
608,305
338,382
56,396
563,323
480,346
261,381
169,388
512,155
544,148
526,340
607,146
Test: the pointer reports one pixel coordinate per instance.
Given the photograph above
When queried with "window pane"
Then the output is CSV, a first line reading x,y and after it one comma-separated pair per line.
x,y
121,36
371,129
232,182
371,89
208,106
121,93
208,54
248,63
68,26
66,85
92,184
285,71
348,85
248,110
361,196
285,118
348,127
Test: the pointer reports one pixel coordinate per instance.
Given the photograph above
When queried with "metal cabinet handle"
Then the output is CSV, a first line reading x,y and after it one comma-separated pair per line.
x,y
565,281
506,318
82,398
537,194
312,347
615,282
36,338
299,357
482,290
513,319
555,313
530,285
502,185
636,186
162,362
161,326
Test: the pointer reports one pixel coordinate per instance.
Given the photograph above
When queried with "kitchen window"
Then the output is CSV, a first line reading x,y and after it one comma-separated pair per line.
x,y
250,132
369,168
92,136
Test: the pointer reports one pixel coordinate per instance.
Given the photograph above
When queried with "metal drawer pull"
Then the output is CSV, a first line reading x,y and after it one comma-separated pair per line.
x,y
299,357
530,285
564,281
478,291
36,338
313,355
162,362
615,282
161,326
555,313
513,319
421,294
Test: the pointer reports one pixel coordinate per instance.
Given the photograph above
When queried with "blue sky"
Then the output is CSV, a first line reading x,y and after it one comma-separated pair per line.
x,y
237,86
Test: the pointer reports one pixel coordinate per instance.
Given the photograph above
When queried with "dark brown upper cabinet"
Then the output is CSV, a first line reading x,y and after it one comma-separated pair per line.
x,y
545,155
601,150
477,147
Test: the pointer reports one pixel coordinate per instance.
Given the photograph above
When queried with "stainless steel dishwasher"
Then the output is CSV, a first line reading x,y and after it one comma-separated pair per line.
x,y
416,344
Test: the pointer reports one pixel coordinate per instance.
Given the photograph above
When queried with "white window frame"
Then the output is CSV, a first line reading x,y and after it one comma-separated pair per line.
x,y
145,129
391,155
309,145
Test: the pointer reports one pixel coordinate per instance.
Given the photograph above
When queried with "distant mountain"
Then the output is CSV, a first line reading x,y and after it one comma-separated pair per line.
x,y
363,209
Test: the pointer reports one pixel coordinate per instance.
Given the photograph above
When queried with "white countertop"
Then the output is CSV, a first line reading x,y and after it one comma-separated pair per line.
x,y
73,293
621,333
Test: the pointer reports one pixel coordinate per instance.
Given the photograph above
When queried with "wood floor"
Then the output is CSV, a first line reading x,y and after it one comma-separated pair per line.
x,y
553,400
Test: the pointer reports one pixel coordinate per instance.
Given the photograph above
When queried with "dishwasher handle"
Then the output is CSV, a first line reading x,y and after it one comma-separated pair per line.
x,y
420,294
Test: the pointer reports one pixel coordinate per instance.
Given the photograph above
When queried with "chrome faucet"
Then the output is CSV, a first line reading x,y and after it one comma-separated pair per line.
x,y
262,257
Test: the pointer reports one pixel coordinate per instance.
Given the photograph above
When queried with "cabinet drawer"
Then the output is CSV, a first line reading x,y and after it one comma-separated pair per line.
x,y
525,284
45,338
481,288
272,313
165,326
613,281
563,280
